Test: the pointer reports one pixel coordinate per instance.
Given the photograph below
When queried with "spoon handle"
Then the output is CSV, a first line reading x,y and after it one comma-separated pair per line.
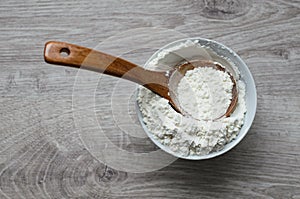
x,y
61,53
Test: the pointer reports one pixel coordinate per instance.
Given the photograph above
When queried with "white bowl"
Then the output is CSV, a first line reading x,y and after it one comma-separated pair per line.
x,y
250,96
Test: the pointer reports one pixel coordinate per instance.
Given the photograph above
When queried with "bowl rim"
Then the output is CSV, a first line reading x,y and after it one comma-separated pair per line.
x,y
238,138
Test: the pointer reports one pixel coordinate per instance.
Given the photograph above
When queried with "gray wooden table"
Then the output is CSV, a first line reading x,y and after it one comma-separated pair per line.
x,y
43,151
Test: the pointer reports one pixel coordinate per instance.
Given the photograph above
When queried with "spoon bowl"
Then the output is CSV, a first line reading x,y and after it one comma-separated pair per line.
x,y
181,69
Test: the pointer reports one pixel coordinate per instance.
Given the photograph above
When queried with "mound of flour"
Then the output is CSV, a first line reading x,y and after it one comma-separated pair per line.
x,y
205,93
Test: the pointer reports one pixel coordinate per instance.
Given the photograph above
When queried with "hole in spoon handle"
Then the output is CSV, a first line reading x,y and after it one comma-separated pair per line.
x,y
66,54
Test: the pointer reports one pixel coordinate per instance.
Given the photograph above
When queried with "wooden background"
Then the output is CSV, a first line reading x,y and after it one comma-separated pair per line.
x,y
41,153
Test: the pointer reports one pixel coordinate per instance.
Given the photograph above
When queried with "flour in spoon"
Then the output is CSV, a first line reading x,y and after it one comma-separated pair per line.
x,y
205,93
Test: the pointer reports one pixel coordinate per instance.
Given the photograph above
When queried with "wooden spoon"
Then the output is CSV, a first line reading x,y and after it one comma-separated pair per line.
x,y
61,53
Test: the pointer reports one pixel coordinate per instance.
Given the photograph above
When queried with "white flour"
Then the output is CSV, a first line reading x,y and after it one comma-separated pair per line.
x,y
205,93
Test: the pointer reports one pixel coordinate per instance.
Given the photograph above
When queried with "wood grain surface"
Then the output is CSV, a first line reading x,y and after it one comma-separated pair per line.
x,y
42,152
